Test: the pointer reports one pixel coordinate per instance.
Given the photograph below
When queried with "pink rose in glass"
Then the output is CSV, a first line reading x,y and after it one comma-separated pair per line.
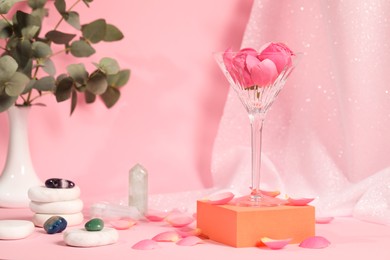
x,y
250,68
279,53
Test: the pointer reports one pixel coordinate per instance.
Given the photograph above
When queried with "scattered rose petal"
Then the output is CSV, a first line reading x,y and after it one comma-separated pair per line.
x,y
122,224
315,242
189,241
275,243
299,201
324,220
220,198
147,244
270,193
168,236
156,215
187,231
179,219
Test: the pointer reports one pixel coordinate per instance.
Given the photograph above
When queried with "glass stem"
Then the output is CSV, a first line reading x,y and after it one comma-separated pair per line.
x,y
256,120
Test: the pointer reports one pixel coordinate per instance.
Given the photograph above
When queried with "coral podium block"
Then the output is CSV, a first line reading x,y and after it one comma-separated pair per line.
x,y
245,226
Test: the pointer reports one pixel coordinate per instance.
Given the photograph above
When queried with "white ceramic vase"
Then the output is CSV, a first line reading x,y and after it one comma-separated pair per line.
x,y
18,174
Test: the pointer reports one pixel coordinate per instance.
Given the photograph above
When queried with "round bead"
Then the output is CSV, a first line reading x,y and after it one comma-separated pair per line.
x,y
95,224
55,224
56,183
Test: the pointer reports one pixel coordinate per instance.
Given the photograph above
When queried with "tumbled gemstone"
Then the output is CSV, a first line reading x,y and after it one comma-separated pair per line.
x,y
55,224
95,224
56,183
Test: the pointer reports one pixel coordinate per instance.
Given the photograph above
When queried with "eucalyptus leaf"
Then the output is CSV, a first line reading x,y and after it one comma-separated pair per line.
x,y
109,66
8,67
5,29
78,73
6,102
73,102
30,31
97,83
112,34
89,97
24,53
29,86
64,89
94,31
81,48
24,20
40,13
73,19
49,67
59,37
41,50
45,84
16,84
35,4
120,79
27,69
110,97
86,2
60,6
6,5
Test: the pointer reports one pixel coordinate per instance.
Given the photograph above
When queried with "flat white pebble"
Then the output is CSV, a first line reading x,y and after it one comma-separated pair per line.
x,y
57,207
83,238
72,219
15,229
44,194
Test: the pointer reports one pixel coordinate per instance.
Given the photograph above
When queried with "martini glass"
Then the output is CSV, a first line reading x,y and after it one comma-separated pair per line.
x,y
257,100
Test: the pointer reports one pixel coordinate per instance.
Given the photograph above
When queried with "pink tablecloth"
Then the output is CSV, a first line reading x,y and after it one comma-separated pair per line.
x,y
350,238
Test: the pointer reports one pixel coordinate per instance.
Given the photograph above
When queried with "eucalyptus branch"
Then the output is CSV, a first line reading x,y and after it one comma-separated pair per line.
x,y
25,71
62,17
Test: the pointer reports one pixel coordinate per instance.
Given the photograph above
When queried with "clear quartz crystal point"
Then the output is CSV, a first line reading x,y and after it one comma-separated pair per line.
x,y
138,188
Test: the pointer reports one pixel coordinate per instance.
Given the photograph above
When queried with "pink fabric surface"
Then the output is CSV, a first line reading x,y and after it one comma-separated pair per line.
x,y
326,134
350,238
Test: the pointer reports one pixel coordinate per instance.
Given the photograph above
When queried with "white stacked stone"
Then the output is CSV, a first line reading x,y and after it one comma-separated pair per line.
x,y
48,202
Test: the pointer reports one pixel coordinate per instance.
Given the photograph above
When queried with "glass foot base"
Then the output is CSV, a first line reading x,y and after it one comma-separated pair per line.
x,y
258,201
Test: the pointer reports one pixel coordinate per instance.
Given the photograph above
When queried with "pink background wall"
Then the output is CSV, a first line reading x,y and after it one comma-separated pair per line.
x,y
168,115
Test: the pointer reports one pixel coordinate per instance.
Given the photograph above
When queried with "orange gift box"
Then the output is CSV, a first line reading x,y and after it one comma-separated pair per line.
x,y
244,226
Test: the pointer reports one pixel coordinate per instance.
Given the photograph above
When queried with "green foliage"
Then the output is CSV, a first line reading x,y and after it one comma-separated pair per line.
x,y
27,70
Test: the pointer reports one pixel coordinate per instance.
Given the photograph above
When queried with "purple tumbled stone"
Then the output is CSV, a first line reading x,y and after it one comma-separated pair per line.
x,y
57,183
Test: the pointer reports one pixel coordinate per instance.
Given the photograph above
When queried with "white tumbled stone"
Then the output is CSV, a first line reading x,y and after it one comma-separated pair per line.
x,y
84,238
15,229
71,219
44,194
57,207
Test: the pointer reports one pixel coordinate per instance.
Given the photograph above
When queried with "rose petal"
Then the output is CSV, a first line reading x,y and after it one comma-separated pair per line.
x,y
275,243
179,219
299,201
270,193
187,231
264,73
324,220
190,241
156,215
122,224
315,242
168,236
147,244
220,198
